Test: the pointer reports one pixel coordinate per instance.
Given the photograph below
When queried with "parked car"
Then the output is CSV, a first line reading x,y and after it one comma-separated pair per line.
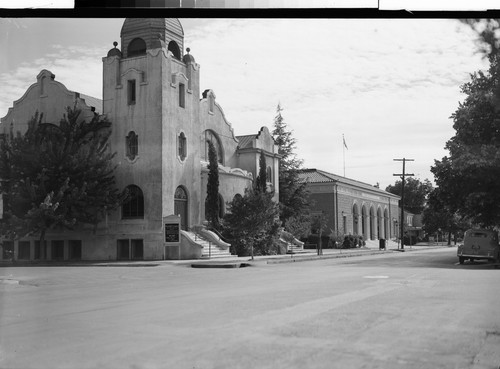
x,y
479,244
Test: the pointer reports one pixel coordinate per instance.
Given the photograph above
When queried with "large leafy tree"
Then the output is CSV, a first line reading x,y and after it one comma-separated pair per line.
x,y
57,176
416,193
468,177
293,195
213,188
251,223
438,217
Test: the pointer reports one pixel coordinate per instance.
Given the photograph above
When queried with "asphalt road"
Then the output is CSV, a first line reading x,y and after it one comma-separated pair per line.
x,y
402,310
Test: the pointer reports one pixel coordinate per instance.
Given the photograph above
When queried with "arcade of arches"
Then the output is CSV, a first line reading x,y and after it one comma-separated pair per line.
x,y
350,206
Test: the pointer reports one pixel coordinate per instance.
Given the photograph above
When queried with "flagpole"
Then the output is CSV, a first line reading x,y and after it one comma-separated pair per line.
x,y
343,151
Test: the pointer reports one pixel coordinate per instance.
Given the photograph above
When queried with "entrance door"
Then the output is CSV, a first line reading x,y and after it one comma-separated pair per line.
x,y
181,206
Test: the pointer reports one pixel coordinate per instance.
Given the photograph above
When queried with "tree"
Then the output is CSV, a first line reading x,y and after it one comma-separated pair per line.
x,y
416,193
57,176
293,195
438,217
251,223
261,180
468,177
213,188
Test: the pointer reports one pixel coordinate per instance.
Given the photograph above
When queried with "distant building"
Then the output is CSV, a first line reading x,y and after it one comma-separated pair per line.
x,y
351,207
161,126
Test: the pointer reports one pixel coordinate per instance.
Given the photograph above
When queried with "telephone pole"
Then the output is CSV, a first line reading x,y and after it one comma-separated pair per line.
x,y
402,176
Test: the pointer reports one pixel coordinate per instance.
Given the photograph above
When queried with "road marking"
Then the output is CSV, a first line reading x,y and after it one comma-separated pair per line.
x,y
376,276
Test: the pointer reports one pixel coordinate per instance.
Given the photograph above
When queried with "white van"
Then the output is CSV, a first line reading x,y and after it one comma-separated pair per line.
x,y
479,244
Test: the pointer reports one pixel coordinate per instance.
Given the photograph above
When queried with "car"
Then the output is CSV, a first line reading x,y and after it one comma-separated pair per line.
x,y
479,244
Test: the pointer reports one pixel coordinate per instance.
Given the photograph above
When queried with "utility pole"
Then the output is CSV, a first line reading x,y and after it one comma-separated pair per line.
x,y
402,176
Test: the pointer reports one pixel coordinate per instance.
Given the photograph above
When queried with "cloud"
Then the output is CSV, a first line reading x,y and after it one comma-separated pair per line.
x,y
389,85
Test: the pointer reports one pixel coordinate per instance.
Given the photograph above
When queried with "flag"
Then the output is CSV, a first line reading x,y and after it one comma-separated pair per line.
x,y
343,139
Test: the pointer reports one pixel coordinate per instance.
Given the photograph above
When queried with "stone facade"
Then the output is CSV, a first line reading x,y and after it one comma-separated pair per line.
x,y
161,123
351,207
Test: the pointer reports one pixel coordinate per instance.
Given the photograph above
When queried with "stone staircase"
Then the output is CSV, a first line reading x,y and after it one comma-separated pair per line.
x,y
295,249
210,250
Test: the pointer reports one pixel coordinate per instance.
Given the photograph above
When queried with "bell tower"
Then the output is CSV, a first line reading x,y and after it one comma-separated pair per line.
x,y
151,96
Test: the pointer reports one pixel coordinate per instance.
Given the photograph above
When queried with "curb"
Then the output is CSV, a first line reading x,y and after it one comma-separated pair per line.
x,y
321,257
227,265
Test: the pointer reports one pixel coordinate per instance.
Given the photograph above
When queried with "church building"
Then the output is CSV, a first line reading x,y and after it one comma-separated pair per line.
x,y
162,122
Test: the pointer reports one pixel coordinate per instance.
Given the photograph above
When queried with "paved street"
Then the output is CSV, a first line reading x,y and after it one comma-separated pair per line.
x,y
416,309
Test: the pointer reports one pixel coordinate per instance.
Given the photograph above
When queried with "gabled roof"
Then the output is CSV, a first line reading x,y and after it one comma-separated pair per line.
x,y
320,176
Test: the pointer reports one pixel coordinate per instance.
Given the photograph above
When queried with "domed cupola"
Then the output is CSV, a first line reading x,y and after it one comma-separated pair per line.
x,y
188,58
141,34
115,51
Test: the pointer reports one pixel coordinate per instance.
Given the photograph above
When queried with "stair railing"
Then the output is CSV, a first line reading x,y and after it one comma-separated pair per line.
x,y
196,230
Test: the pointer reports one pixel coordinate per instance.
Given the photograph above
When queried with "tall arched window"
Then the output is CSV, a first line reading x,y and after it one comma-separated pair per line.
x,y
210,136
134,206
174,48
132,145
136,47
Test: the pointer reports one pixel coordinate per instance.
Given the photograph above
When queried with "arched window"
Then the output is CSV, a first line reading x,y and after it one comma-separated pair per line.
x,y
182,146
210,136
136,47
132,145
221,207
268,175
134,206
174,48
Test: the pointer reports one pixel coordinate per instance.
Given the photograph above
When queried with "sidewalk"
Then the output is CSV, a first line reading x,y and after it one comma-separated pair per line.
x,y
371,248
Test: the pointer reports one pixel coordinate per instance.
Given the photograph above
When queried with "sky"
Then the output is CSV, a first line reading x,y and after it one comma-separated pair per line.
x,y
389,86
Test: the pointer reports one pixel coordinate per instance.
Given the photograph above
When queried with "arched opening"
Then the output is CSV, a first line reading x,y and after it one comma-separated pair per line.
x,y
221,208
364,227
386,224
268,174
136,47
355,219
380,233
133,207
372,223
211,136
181,206
174,49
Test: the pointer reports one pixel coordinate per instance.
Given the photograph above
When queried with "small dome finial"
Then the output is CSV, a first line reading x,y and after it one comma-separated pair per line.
x,y
115,44
188,50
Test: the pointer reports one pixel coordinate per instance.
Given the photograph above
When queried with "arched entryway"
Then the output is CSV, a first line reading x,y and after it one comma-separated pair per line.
x,y
181,206
355,219
364,223
380,233
386,224
372,223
